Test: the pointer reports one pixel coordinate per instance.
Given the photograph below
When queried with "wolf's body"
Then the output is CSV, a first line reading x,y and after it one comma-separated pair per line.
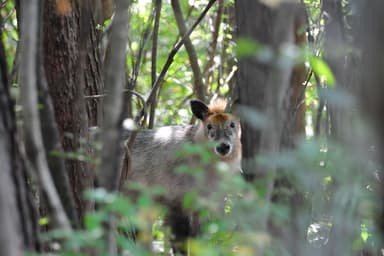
x,y
153,158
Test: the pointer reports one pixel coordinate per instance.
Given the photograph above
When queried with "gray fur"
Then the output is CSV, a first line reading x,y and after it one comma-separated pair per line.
x,y
153,161
153,157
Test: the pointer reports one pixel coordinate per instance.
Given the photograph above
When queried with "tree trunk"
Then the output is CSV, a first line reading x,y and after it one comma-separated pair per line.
x,y
254,21
10,238
51,137
275,92
72,67
198,85
258,22
17,212
370,40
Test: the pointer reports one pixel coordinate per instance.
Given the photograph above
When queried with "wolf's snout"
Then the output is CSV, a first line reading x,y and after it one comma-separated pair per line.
x,y
223,148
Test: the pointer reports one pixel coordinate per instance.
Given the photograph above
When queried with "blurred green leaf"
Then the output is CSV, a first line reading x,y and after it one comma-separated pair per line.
x,y
246,48
43,221
321,68
94,220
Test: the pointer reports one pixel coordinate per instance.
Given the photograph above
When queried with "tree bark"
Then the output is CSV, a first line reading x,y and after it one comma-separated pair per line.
x,y
114,78
10,237
26,202
28,94
334,45
51,137
253,21
72,66
272,90
369,38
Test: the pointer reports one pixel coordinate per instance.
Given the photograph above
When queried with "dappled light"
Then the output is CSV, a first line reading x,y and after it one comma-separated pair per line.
x,y
189,128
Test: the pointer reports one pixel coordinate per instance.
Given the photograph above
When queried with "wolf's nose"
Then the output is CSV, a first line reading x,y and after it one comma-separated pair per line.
x,y
223,148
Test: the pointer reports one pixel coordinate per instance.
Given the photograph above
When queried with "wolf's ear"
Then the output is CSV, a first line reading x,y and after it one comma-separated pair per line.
x,y
199,109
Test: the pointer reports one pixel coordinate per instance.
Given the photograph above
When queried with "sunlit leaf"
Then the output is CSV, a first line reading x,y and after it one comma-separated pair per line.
x,y
321,68
43,221
364,233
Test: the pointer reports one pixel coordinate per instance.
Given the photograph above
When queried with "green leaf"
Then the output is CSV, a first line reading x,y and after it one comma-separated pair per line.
x,y
364,233
189,199
43,221
321,68
246,48
94,220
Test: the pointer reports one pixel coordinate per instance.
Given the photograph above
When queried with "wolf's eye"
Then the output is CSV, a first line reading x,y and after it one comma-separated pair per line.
x,y
232,125
209,127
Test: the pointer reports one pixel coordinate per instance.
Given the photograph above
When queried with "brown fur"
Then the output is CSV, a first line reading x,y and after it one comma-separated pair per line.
x,y
217,105
218,118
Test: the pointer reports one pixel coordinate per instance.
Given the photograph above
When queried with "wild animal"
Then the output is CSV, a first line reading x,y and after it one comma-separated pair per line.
x,y
153,161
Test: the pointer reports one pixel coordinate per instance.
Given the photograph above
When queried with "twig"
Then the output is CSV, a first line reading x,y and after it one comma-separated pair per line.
x,y
213,44
3,3
143,41
169,61
131,81
138,95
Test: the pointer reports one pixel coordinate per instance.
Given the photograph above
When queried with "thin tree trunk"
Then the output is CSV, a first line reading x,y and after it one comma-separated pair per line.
x,y
334,45
114,78
252,75
32,129
341,235
369,38
155,35
210,67
198,85
10,237
169,61
90,59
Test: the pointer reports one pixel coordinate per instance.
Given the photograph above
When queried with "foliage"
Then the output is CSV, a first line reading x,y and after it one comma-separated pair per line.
x,y
177,87
335,180
10,31
234,212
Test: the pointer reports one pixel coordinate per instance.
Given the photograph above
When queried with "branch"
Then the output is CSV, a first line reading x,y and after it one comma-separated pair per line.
x,y
143,41
32,129
198,85
98,96
213,44
131,82
154,60
169,61
114,80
